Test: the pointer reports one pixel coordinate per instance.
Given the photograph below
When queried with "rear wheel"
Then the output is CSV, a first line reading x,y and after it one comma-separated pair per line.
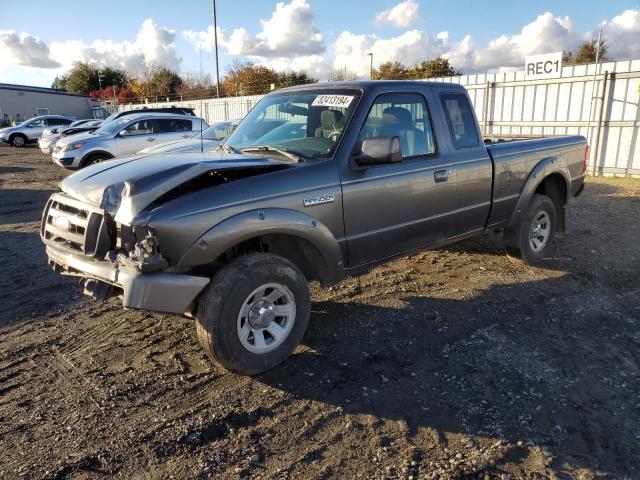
x,y
18,140
531,239
254,313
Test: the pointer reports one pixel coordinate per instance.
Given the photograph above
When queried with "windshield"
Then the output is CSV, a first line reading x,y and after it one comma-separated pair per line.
x,y
217,131
109,128
307,123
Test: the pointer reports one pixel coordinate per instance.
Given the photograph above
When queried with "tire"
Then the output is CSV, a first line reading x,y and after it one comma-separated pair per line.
x,y
233,322
522,242
18,140
93,159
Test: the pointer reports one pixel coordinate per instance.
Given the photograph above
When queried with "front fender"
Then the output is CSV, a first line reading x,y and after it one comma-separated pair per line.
x,y
267,221
542,170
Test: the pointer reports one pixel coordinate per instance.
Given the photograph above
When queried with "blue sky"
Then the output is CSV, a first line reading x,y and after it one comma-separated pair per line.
x,y
480,35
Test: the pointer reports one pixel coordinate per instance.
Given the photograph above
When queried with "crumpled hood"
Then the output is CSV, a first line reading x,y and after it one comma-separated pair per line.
x,y
138,180
190,145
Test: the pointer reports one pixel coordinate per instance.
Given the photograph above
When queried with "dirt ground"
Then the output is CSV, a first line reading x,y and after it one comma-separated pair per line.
x,y
455,363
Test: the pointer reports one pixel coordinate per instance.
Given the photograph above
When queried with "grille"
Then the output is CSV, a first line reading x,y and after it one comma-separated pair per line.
x,y
73,226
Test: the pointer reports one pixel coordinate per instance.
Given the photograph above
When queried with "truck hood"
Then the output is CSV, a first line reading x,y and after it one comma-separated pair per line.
x,y
125,186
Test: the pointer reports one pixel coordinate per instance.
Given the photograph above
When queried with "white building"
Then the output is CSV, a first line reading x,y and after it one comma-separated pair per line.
x,y
20,102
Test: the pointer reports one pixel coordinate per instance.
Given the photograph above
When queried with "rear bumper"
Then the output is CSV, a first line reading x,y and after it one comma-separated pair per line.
x,y
160,291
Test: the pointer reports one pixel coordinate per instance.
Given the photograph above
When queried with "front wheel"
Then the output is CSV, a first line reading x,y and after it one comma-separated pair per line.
x,y
18,140
254,313
531,239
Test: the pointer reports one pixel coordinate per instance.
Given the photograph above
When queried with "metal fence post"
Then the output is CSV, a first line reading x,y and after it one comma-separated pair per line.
x,y
596,149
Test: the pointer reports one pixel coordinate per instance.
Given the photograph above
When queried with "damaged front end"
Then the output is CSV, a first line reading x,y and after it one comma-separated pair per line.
x,y
102,233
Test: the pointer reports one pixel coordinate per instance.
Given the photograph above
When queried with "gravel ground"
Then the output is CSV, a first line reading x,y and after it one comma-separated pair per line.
x,y
454,363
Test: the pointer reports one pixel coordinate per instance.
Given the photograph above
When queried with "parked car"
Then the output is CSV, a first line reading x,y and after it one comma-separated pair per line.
x,y
385,168
49,138
211,138
32,129
176,110
124,136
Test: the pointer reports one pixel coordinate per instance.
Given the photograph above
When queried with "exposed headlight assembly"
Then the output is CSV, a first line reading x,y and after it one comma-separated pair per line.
x,y
112,197
73,146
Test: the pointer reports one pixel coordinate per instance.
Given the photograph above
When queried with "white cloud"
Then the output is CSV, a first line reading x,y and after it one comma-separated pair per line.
x,y
403,15
546,33
290,32
25,50
153,45
622,35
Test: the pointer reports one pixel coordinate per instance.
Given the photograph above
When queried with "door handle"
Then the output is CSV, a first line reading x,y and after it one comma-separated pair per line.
x,y
441,176
151,139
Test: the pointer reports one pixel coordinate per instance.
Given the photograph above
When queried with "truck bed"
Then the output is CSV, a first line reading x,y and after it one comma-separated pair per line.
x,y
514,162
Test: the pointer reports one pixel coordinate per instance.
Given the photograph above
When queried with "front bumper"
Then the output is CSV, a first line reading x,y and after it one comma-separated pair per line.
x,y
65,159
159,291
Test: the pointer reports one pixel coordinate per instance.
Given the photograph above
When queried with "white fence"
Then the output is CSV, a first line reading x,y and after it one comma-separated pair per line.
x,y
508,106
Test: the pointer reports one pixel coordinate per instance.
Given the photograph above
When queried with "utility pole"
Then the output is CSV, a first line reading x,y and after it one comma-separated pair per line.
x,y
371,66
215,40
100,81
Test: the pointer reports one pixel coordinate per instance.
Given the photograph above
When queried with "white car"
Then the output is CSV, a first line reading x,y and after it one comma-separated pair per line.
x,y
211,138
32,129
124,136
50,136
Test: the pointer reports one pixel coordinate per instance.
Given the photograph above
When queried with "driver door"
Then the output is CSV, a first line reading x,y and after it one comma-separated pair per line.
x,y
136,136
394,208
34,129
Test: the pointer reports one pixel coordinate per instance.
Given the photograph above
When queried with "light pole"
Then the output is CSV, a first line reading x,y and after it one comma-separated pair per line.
x,y
215,40
371,66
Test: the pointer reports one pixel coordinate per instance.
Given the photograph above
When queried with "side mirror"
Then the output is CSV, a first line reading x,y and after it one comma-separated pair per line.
x,y
123,133
379,151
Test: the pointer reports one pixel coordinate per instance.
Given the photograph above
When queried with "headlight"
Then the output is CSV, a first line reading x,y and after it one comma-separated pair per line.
x,y
112,197
73,146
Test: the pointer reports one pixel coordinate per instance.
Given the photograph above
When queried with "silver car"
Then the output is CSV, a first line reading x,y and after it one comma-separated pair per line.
x,y
124,136
51,135
31,130
211,138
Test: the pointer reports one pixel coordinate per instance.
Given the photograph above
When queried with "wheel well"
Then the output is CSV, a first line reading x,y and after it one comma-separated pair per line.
x,y
18,134
95,154
555,187
302,253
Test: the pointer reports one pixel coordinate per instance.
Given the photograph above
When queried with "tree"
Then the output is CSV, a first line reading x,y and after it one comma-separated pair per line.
x,y
156,82
438,67
290,78
196,85
342,75
246,78
586,53
126,95
83,78
391,71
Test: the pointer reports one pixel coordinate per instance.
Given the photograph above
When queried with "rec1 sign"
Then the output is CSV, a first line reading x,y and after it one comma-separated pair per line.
x,y
547,65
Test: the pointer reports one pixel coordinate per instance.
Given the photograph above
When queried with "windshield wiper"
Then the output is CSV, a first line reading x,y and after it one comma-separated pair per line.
x,y
268,148
225,148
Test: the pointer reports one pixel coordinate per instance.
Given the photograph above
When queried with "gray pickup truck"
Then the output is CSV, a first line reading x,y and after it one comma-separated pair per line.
x,y
354,173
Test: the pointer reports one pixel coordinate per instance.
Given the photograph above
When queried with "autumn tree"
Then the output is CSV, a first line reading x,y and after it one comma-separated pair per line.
x,y
196,85
246,78
293,77
586,53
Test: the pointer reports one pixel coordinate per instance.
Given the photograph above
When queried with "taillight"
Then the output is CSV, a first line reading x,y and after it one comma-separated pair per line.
x,y
586,159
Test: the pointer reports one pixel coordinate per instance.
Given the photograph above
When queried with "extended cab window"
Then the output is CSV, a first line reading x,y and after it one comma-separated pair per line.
x,y
460,120
166,125
402,115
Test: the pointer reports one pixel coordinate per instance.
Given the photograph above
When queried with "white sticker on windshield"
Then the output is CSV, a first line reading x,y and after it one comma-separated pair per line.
x,y
342,101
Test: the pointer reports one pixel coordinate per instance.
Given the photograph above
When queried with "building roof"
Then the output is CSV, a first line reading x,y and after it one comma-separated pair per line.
x,y
28,88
